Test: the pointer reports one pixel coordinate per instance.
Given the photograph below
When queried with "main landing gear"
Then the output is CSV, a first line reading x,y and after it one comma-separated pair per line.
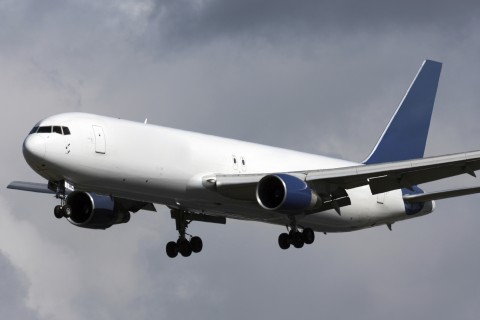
x,y
295,237
183,245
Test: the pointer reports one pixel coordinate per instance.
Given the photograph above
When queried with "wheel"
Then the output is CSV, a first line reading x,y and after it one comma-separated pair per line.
x,y
184,247
172,249
58,212
196,244
297,240
284,241
67,211
308,236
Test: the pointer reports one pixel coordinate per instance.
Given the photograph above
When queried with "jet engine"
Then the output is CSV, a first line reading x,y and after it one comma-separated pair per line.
x,y
94,211
284,192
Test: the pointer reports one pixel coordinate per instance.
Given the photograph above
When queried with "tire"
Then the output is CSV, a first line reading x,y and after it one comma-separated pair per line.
x,y
308,236
284,241
184,247
67,211
297,240
172,249
58,212
196,244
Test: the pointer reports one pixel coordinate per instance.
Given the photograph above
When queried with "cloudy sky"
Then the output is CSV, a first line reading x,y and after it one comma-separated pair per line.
x,y
317,76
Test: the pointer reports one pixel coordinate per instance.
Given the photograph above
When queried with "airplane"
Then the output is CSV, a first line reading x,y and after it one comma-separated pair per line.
x,y
102,169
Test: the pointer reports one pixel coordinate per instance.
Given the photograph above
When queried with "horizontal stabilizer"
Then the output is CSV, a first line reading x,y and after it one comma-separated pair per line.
x,y
412,198
30,186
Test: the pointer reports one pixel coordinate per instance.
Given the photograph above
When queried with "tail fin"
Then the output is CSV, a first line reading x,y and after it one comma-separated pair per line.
x,y
406,134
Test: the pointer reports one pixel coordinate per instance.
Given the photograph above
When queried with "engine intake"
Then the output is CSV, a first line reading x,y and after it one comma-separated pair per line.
x,y
94,211
284,192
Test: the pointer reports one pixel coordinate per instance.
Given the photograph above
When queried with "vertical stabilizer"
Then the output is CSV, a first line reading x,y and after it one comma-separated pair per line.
x,y
406,134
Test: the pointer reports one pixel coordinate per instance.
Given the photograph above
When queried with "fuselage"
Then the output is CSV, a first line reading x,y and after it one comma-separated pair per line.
x,y
161,165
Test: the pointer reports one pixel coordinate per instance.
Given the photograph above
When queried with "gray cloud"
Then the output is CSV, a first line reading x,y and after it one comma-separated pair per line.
x,y
13,291
187,22
316,76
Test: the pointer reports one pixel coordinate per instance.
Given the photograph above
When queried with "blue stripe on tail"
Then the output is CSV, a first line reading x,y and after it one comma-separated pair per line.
x,y
406,135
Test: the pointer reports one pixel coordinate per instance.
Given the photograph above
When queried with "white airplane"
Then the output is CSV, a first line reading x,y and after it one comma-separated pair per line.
x,y
102,168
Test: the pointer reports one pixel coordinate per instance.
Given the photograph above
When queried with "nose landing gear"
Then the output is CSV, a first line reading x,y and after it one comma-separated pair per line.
x,y
62,210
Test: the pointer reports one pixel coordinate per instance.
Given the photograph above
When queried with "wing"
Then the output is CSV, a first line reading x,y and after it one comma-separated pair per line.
x,y
30,186
130,205
380,178
401,174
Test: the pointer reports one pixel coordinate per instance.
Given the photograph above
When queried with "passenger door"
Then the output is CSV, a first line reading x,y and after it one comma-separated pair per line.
x,y
100,143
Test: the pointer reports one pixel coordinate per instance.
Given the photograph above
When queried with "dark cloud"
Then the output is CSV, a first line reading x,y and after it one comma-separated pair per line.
x,y
192,22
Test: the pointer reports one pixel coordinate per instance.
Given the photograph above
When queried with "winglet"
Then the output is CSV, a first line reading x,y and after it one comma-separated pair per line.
x,y
406,134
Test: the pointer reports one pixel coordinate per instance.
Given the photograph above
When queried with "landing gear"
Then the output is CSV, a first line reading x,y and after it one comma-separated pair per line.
x,y
62,210
295,237
194,244
183,245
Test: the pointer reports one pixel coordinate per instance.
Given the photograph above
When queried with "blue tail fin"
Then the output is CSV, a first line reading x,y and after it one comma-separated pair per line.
x,y
406,134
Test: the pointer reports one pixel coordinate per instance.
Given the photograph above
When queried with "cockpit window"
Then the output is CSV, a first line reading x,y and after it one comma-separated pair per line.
x,y
57,129
44,130
49,129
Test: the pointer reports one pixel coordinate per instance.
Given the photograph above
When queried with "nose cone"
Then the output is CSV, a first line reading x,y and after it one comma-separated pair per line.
x,y
34,149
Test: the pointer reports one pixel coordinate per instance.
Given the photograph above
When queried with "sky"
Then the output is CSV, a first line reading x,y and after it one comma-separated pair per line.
x,y
317,76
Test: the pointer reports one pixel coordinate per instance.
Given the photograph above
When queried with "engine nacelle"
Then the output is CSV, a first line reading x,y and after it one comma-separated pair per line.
x,y
93,211
284,192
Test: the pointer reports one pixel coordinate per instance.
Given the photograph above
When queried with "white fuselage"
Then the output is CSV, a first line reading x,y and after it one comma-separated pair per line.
x,y
155,164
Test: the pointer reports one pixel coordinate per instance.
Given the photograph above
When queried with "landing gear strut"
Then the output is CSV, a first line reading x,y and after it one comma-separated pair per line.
x,y
295,237
62,210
